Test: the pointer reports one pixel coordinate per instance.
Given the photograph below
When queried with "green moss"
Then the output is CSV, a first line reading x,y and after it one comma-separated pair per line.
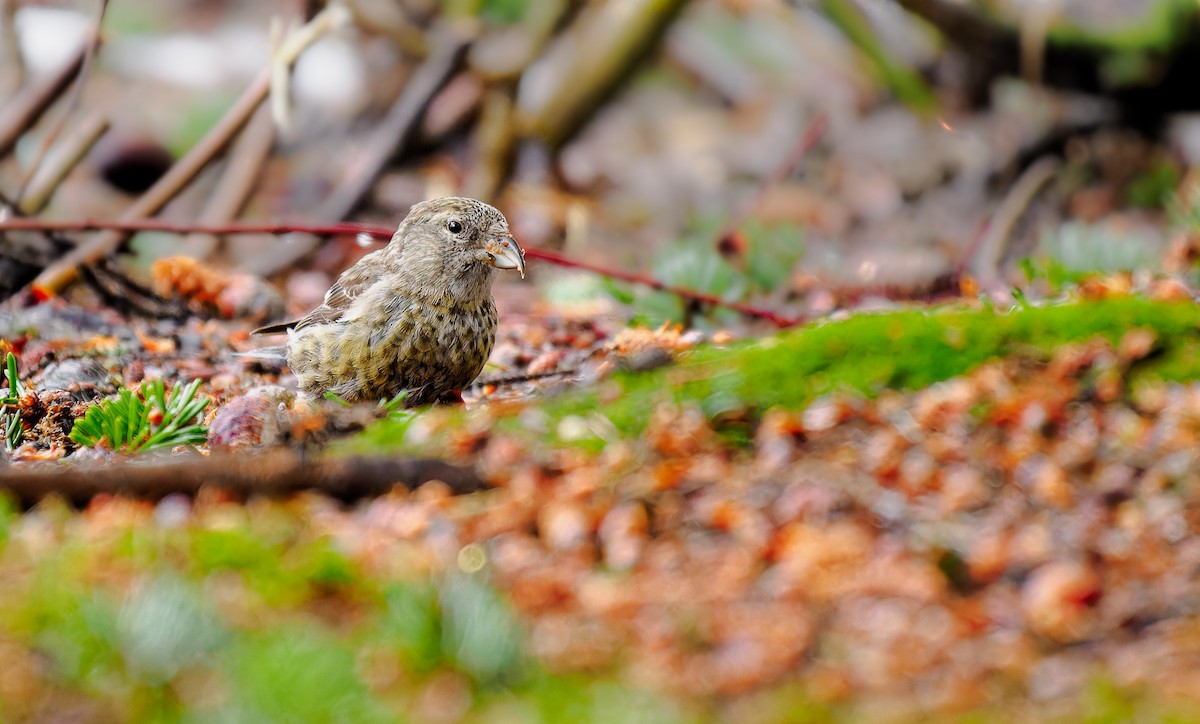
x,y
868,353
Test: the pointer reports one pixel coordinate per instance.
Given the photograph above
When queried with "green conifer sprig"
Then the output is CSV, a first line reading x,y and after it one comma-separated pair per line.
x,y
149,419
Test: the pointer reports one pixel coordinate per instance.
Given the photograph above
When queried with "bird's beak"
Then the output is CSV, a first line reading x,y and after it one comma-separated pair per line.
x,y
506,254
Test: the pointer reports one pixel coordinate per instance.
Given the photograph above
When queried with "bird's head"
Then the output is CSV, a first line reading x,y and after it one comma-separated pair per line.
x,y
457,238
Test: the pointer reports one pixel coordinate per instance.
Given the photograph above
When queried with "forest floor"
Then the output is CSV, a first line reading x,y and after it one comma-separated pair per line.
x,y
841,411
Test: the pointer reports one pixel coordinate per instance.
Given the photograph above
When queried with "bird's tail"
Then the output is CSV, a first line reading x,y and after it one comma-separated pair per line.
x,y
275,354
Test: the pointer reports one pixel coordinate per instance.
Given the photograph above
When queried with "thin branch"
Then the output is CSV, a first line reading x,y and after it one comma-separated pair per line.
x,y
63,157
72,101
742,308
986,253
274,473
382,233
22,112
246,158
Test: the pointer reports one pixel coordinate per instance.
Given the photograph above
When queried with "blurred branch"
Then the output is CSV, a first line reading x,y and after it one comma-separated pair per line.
x,y
64,271
588,63
274,474
494,137
10,49
27,107
60,274
64,156
987,252
816,128
91,45
388,19
238,179
501,58
903,81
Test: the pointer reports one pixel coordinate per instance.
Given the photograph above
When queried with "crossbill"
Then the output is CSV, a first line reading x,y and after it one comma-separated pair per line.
x,y
416,316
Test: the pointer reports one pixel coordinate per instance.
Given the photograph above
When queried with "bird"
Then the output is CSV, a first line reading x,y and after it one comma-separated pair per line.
x,y
415,317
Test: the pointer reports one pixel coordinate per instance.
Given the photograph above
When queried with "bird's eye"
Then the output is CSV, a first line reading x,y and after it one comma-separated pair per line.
x,y
455,227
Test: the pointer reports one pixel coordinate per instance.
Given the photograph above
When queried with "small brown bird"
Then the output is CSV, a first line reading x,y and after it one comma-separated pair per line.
x,y
415,316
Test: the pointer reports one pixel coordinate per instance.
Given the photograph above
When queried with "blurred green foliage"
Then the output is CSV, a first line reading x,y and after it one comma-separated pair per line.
x,y
763,266
248,615
502,12
1155,186
1077,249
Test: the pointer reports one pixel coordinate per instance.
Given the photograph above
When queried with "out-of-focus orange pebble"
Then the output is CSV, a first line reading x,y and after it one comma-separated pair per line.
x,y
1114,285
155,345
1169,290
564,526
1051,486
434,490
968,286
963,488
989,556
101,343
1136,344
668,474
1057,600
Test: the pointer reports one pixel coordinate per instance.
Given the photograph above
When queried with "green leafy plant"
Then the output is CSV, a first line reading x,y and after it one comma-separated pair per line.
x,y
763,264
149,419
10,420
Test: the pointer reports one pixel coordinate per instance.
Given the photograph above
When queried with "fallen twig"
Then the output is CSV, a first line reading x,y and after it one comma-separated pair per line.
x,y
91,45
986,252
506,380
273,474
64,156
23,111
250,151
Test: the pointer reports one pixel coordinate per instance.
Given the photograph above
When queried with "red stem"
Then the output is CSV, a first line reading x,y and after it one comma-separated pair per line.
x,y
380,233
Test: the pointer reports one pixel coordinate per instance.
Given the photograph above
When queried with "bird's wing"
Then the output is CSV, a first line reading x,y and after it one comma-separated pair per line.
x,y
338,299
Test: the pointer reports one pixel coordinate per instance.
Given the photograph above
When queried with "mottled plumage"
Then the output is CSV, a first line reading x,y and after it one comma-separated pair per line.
x,y
416,315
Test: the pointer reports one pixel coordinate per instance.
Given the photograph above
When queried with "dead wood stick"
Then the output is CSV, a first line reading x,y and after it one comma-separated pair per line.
x,y
69,104
64,156
274,474
238,180
587,64
23,111
389,140
10,49
986,253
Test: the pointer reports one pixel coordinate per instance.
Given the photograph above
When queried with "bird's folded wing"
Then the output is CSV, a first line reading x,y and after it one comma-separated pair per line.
x,y
338,299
